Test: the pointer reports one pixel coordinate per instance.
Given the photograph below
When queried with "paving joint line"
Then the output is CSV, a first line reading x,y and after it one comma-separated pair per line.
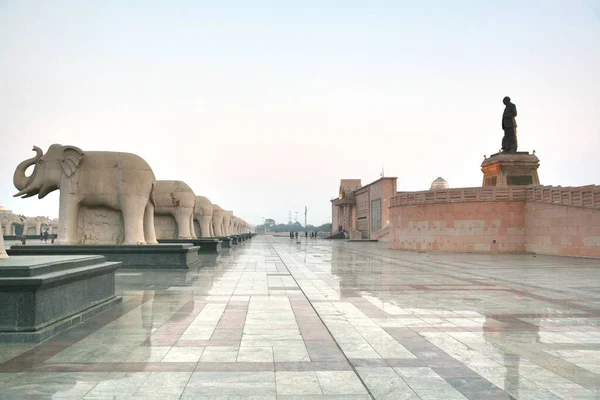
x,y
324,324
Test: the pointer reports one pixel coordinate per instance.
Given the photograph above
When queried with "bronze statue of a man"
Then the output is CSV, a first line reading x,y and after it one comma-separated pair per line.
x,y
509,126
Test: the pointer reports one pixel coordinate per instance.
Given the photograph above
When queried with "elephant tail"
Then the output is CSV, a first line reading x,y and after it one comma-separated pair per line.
x,y
151,198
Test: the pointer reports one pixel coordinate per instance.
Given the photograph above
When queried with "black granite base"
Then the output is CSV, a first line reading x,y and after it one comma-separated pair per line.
x,y
29,237
41,296
225,241
179,255
205,245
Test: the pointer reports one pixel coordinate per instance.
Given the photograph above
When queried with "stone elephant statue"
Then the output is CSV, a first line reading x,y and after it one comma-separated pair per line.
x,y
203,213
217,220
177,199
2,249
227,216
9,221
119,181
234,225
36,223
240,226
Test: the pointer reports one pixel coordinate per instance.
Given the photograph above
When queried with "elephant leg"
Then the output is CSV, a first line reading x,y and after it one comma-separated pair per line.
x,y
133,209
182,218
192,230
204,223
68,213
203,227
149,230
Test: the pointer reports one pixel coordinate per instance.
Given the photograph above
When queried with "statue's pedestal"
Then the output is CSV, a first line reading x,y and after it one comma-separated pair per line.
x,y
226,241
165,255
510,169
42,296
205,245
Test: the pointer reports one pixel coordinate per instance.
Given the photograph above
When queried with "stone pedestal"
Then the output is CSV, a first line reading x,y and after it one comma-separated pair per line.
x,y
510,169
205,245
29,237
226,241
176,255
41,296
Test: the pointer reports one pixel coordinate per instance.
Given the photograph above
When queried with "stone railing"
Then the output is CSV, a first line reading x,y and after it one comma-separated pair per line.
x,y
459,195
353,234
382,232
582,196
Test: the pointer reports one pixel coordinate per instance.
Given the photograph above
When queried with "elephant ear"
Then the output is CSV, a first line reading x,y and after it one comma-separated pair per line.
x,y
72,156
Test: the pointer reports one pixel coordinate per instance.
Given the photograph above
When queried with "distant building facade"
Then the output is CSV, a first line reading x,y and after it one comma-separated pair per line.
x,y
363,211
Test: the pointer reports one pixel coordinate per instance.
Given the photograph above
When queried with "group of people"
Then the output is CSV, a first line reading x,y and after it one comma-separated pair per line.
x,y
45,236
294,235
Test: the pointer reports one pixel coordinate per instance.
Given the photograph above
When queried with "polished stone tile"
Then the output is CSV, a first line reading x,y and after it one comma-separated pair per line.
x,y
385,383
219,354
271,315
291,353
255,354
297,383
340,382
230,384
183,354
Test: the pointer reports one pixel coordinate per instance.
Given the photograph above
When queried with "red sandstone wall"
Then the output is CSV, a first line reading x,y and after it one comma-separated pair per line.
x,y
462,227
562,230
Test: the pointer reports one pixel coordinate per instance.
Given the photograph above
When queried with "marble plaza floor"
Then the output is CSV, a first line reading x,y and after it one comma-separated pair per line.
x,y
274,319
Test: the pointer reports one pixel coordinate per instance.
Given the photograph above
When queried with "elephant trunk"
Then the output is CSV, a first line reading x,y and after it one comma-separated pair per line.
x,y
20,180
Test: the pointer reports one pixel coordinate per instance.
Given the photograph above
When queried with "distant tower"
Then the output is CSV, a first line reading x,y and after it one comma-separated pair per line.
x,y
305,212
290,217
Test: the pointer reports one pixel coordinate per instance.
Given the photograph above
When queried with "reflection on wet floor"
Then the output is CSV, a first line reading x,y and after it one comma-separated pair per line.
x,y
320,319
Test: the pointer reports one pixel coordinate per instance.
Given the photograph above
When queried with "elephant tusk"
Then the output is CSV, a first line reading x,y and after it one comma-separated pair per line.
x,y
21,193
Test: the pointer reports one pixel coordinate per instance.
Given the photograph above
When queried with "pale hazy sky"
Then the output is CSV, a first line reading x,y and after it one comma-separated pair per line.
x,y
262,106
